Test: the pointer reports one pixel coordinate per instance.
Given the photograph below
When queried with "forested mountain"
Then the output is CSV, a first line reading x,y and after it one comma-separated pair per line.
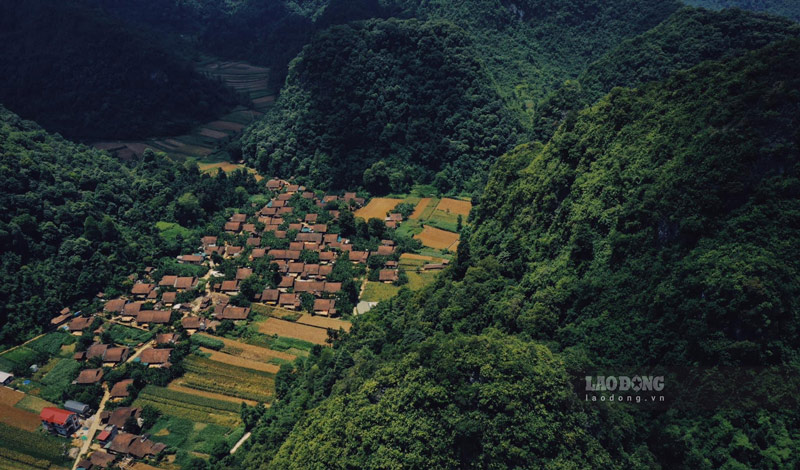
x,y
74,220
85,75
686,38
385,104
787,8
656,228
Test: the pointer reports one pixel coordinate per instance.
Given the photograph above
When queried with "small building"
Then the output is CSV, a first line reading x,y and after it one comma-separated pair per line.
x,y
81,409
233,313
141,289
230,286
192,324
166,338
270,296
159,317
59,421
190,259
325,307
114,306
6,378
155,357
120,389
290,301
89,376
388,275
77,325
169,298
102,459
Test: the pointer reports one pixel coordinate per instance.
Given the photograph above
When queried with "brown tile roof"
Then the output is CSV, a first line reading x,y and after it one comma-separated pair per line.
x,y
89,376
231,250
120,415
309,237
258,253
253,241
96,350
299,246
270,295
311,270
141,288
384,250
233,226
168,281
115,305
153,316
209,240
155,356
166,338
229,286
132,308
121,443
296,268
243,273
193,323
233,313
79,323
320,228
297,227
60,319
169,297
284,254
327,256
238,217
332,287
250,228
185,282
120,389
284,197
309,286
311,218
359,256
118,354
102,459
191,258
274,184
289,299
286,281
326,306
388,275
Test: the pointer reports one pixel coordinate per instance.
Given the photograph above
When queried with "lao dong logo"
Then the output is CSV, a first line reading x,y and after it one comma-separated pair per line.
x,y
623,388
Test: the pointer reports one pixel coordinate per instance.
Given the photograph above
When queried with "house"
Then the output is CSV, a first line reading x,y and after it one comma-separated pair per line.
x,y
60,319
388,275
327,256
185,283
310,237
274,185
120,416
141,289
166,338
117,355
233,313
320,228
394,217
270,296
296,268
391,265
96,350
81,409
291,301
6,378
238,217
103,459
193,323
359,256
120,389
313,287
167,281
159,317
135,446
208,241
249,228
233,227
79,324
253,241
385,250
155,357
114,306
169,298
107,435
229,286
190,259
325,307
243,273
59,421
332,287
311,218
89,376
258,253
232,251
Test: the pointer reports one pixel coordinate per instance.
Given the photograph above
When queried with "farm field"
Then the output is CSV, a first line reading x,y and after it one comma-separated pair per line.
x,y
191,407
420,208
175,385
33,404
20,449
275,326
250,351
455,206
19,418
378,291
377,208
417,281
437,238
208,375
324,322
240,361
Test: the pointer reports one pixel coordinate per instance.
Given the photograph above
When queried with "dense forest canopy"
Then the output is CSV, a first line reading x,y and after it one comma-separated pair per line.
x,y
688,37
87,76
787,8
655,228
385,104
74,220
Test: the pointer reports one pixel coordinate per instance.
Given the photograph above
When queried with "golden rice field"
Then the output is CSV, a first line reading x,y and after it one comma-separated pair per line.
x,y
275,326
377,208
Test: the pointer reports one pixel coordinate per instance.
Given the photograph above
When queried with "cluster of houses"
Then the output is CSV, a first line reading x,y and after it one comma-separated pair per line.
x,y
297,275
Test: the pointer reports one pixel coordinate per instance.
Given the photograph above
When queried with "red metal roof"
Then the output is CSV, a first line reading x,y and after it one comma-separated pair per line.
x,y
55,415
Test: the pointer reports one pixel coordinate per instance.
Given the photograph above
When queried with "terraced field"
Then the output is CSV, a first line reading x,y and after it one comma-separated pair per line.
x,y
209,375
275,326
252,84
192,407
377,208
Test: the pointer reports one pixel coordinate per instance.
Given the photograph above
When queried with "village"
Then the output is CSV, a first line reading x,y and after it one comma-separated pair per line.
x,y
159,375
